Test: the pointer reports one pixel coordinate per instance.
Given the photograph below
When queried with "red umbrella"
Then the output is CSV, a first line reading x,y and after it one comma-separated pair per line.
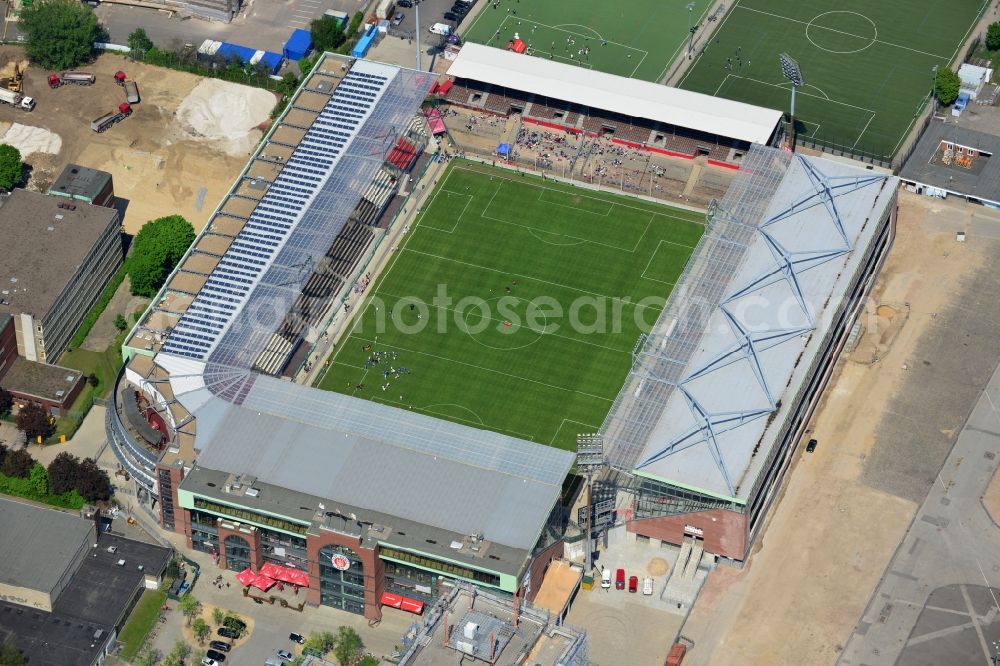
x,y
246,577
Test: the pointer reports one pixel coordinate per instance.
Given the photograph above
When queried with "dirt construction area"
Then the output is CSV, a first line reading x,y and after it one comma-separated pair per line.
x,y
889,418
179,152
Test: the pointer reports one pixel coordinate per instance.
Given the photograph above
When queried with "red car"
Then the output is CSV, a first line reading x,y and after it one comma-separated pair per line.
x,y
620,579
633,584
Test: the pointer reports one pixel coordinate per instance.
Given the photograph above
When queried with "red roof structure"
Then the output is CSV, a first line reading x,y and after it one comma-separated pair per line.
x,y
402,603
246,577
284,574
403,154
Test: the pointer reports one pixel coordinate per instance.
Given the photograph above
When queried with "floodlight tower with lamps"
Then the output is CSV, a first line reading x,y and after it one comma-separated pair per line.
x,y
589,460
690,8
790,68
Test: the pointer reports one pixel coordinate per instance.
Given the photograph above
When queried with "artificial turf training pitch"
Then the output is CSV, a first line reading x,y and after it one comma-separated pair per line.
x,y
867,66
521,347
639,38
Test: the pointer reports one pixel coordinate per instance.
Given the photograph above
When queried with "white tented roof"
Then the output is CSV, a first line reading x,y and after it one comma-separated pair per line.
x,y
629,97
721,372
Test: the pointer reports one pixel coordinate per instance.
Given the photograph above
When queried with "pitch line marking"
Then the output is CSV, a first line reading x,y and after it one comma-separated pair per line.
x,y
520,275
564,422
700,222
865,129
542,334
650,262
497,372
577,25
849,34
460,215
683,44
872,40
455,404
573,208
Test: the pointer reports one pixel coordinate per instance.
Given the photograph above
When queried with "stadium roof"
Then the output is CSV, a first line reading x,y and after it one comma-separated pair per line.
x,y
714,382
375,457
264,269
617,94
47,541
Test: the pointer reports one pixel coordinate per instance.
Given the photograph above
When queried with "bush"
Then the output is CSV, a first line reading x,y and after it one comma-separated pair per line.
x,y
29,487
946,86
35,421
63,471
993,37
92,482
120,322
6,402
18,464
11,167
327,34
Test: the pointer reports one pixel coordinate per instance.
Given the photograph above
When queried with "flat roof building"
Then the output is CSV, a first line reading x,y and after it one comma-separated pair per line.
x,y
48,548
956,160
51,386
58,256
84,184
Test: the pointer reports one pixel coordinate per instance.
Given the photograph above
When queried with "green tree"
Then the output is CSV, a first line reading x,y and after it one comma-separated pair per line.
x,y
18,464
139,41
6,402
93,380
327,34
158,247
993,36
201,630
120,322
218,616
190,607
321,640
946,86
59,34
369,660
11,167
10,655
348,646
34,421
148,656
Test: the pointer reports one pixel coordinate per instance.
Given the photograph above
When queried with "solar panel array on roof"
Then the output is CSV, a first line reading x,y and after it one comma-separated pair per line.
x,y
304,207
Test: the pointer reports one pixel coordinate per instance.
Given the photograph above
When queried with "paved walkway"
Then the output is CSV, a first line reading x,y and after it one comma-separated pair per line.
x,y
952,540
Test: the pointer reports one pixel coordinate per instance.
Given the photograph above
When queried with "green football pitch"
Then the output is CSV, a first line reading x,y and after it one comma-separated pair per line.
x,y
639,38
867,66
513,304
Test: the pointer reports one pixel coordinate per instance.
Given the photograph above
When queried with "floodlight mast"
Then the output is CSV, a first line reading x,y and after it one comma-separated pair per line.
x,y
790,69
589,459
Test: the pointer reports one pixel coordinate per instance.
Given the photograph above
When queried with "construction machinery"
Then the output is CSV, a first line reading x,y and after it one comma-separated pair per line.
x,y
108,119
130,86
17,100
79,78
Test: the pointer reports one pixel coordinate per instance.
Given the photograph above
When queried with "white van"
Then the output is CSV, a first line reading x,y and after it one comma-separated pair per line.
x,y
606,579
441,29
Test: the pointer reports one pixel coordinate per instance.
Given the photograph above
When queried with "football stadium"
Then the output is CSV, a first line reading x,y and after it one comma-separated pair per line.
x,y
868,68
403,478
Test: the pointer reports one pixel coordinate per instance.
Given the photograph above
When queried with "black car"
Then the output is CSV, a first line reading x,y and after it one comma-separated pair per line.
x,y
811,446
296,638
452,16
216,655
459,9
221,646
226,632
404,3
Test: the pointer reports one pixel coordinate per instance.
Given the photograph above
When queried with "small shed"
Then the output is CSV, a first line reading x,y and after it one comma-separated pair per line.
x,y
298,44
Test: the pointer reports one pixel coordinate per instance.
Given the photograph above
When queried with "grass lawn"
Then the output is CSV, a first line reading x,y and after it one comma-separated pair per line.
x,y
105,364
143,618
514,304
639,39
867,65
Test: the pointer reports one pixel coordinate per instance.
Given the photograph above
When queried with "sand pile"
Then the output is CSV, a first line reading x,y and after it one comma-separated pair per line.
x,y
30,139
226,113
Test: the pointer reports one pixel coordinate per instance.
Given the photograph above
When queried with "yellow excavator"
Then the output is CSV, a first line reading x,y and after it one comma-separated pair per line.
x,y
12,76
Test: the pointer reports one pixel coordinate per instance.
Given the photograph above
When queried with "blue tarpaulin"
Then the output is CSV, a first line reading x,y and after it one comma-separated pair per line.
x,y
503,149
298,44
272,60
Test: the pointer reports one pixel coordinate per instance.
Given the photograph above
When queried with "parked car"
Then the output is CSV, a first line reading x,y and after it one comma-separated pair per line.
x,y
452,16
205,661
296,638
221,646
620,579
398,18
606,578
647,586
461,10
404,3
633,584
216,655
811,446
286,655
226,632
